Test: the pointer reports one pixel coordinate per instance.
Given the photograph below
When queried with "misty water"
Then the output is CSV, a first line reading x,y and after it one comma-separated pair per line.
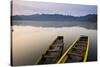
x,y
31,38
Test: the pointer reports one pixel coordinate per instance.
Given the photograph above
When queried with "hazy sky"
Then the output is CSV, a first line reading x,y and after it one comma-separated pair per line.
x,y
31,7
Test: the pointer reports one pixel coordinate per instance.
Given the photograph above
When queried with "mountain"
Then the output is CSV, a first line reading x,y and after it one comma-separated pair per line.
x,y
55,17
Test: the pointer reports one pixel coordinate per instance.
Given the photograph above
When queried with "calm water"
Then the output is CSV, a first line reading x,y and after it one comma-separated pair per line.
x,y
31,40
88,25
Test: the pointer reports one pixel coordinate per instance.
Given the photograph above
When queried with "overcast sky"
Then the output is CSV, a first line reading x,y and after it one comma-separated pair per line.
x,y
31,7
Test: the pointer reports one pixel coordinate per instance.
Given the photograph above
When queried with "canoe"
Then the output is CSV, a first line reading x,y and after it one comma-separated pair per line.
x,y
77,52
53,53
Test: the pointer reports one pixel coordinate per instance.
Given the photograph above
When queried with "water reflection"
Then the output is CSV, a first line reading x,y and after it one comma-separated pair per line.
x,y
85,24
30,42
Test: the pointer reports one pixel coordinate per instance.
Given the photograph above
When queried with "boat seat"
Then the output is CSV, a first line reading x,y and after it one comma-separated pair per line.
x,y
79,48
75,54
47,56
74,59
57,45
53,50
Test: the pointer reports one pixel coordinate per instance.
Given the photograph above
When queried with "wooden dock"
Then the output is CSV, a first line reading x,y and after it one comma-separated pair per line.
x,y
53,53
77,52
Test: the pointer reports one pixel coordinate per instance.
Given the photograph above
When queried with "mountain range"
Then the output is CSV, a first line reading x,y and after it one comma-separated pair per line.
x,y
55,17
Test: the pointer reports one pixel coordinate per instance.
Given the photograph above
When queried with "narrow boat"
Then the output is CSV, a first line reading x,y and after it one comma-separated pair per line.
x,y
77,52
53,53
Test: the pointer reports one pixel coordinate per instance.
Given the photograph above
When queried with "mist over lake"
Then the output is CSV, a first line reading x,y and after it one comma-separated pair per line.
x,y
31,38
85,24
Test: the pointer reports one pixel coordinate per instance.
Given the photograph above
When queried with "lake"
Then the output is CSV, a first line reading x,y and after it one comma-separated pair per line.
x,y
31,38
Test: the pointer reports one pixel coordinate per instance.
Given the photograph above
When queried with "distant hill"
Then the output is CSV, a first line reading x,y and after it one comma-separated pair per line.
x,y
55,17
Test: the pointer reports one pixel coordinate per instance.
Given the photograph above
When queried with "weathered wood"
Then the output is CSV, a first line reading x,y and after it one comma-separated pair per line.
x,y
53,53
